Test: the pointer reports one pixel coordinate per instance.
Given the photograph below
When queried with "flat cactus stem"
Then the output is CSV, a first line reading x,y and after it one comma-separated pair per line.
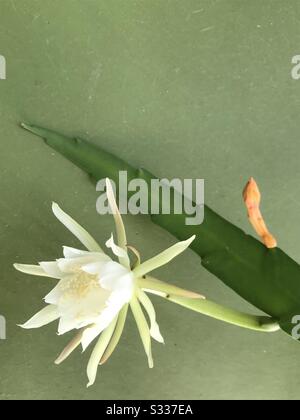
x,y
267,278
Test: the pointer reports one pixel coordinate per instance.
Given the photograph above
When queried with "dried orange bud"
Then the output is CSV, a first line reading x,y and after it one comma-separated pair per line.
x,y
251,195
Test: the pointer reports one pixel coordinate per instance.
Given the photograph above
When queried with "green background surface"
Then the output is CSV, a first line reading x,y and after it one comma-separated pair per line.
x,y
190,89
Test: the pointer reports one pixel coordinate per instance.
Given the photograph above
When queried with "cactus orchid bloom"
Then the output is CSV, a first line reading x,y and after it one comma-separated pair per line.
x,y
94,292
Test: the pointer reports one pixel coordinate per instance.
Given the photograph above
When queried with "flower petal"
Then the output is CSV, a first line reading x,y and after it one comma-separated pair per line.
x,y
90,333
117,250
142,327
121,233
66,324
34,270
81,311
93,268
73,344
52,269
43,317
70,252
154,328
162,258
116,335
71,265
84,237
114,306
52,298
98,352
116,277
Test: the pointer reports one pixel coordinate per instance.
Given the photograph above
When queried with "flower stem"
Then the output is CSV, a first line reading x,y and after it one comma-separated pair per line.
x,y
214,310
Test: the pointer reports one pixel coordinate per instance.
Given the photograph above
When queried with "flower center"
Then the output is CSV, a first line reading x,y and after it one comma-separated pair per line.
x,y
79,285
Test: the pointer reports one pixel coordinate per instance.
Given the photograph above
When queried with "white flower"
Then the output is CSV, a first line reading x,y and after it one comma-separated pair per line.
x,y
94,292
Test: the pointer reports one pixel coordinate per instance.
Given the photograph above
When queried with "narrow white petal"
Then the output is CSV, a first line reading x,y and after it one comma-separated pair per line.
x,y
43,317
162,258
104,320
154,328
71,265
66,324
70,252
99,351
34,270
121,233
115,277
119,297
90,333
73,344
93,268
52,298
84,237
116,335
142,328
117,250
52,269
